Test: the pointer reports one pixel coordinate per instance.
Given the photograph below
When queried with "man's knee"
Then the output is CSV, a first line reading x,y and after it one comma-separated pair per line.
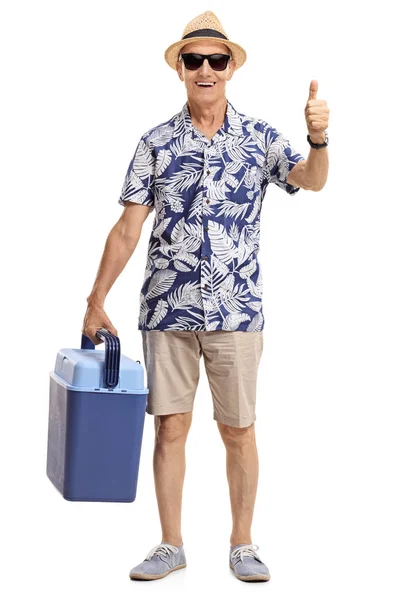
x,y
236,435
172,427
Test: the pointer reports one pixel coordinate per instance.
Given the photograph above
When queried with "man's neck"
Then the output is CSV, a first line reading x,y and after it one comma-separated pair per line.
x,y
207,116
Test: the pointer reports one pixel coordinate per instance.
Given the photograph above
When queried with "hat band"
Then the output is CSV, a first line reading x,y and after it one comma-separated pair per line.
x,y
205,33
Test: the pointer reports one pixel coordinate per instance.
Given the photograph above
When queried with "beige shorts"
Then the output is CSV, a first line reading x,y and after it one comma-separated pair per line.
x,y
231,359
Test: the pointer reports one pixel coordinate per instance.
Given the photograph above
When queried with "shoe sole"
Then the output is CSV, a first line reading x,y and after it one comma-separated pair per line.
x,y
149,576
251,577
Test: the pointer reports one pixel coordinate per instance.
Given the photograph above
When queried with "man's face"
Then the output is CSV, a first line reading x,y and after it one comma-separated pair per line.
x,y
205,95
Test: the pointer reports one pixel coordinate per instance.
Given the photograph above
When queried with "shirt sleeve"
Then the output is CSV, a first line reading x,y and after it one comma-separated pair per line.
x,y
281,157
138,185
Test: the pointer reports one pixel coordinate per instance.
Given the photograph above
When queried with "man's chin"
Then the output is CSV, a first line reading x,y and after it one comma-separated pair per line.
x,y
217,91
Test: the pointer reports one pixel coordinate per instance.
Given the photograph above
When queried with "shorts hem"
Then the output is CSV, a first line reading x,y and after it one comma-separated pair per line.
x,y
164,411
233,422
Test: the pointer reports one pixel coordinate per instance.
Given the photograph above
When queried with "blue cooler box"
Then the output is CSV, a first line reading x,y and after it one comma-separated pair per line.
x,y
96,417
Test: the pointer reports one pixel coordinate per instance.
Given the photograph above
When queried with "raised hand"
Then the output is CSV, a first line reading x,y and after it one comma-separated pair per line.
x,y
316,113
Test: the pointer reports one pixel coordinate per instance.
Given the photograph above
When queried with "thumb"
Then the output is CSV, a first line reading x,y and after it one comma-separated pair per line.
x,y
112,330
110,327
313,90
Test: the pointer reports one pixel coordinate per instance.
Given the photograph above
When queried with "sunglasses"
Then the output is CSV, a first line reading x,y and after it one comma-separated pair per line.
x,y
193,61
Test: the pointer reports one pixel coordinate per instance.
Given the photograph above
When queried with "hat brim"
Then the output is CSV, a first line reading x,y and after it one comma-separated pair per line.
x,y
172,52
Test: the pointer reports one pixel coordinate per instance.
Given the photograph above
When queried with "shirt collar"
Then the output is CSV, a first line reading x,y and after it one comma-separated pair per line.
x,y
232,125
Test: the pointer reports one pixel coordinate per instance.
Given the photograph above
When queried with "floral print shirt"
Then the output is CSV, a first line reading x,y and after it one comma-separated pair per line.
x,y
202,270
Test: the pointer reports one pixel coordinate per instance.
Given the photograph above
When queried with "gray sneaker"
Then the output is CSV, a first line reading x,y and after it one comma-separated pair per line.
x,y
246,563
160,561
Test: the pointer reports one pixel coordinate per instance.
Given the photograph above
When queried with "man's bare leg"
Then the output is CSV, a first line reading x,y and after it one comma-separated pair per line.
x,y
169,466
242,474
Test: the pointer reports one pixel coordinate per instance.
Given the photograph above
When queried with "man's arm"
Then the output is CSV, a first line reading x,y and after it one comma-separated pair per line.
x,y
120,245
311,174
296,176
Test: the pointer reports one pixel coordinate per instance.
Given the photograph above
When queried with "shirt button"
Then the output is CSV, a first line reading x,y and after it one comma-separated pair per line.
x,y
205,257
205,286
208,172
208,202
206,228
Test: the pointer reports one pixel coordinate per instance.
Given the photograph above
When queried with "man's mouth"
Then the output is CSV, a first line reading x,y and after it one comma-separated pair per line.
x,y
205,84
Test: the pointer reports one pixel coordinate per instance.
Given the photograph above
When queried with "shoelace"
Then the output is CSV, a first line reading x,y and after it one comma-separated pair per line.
x,y
162,550
246,550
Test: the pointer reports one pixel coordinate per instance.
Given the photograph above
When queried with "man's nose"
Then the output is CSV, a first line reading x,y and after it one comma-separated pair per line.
x,y
205,68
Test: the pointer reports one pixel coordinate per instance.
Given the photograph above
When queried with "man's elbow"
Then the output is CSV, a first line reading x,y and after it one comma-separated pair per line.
x,y
316,188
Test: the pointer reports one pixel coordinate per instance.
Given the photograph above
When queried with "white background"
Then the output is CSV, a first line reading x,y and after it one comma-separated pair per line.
x,y
81,82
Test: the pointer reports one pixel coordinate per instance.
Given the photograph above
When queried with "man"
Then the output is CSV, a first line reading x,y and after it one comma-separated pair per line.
x,y
205,172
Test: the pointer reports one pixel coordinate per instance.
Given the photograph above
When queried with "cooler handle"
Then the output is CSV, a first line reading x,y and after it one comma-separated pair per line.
x,y
112,354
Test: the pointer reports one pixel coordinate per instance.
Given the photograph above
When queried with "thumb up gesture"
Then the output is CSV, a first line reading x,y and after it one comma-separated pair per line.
x,y
316,113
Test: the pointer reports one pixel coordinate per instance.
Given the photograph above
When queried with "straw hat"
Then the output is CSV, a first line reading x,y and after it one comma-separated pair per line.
x,y
204,27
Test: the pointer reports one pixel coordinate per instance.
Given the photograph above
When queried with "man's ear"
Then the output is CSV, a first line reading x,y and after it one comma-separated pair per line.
x,y
232,67
179,69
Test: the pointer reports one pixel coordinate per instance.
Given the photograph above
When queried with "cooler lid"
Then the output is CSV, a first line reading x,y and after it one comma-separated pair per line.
x,y
83,369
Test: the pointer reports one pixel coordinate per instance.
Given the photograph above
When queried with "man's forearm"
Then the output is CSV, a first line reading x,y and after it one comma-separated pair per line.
x,y
117,251
317,164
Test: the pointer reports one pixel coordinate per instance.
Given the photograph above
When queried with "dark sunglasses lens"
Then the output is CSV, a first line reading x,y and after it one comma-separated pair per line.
x,y
218,62
192,61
